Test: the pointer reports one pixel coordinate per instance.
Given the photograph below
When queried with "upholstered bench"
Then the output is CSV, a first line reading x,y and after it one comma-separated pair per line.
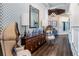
x,y
50,39
24,53
20,51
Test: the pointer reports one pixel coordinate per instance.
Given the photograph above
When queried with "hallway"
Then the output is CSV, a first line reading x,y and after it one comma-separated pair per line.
x,y
60,48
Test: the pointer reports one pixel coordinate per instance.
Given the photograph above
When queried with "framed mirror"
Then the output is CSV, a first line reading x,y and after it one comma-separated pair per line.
x,y
33,17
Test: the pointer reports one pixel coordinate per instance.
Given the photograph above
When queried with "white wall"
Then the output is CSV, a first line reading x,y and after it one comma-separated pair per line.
x,y
74,28
45,22
74,8
13,12
59,20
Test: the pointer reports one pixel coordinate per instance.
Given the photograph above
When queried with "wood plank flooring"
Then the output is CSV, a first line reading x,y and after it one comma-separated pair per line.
x,y
61,47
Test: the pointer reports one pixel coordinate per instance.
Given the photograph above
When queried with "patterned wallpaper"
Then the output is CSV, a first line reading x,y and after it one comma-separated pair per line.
x,y
12,13
0,17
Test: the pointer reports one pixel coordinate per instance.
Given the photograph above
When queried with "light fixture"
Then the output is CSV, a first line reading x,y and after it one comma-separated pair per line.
x,y
53,15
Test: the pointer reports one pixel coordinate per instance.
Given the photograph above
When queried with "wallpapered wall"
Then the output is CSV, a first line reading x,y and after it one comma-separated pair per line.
x,y
0,18
13,11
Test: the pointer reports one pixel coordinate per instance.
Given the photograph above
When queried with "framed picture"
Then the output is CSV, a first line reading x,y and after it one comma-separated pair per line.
x,y
33,17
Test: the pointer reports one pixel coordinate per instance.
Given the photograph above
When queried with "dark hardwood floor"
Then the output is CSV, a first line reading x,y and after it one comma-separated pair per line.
x,y
61,47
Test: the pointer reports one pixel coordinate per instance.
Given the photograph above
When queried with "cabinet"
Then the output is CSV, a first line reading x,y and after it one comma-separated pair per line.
x,y
33,43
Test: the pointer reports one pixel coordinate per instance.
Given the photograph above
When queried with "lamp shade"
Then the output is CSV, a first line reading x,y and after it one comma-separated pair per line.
x,y
25,19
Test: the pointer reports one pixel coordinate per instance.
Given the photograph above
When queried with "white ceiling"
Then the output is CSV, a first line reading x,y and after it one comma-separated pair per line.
x,y
57,5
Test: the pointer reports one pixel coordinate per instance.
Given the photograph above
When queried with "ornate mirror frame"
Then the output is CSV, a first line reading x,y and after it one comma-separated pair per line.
x,y
33,17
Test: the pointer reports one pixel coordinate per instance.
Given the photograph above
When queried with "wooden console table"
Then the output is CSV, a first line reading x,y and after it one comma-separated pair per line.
x,y
33,43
